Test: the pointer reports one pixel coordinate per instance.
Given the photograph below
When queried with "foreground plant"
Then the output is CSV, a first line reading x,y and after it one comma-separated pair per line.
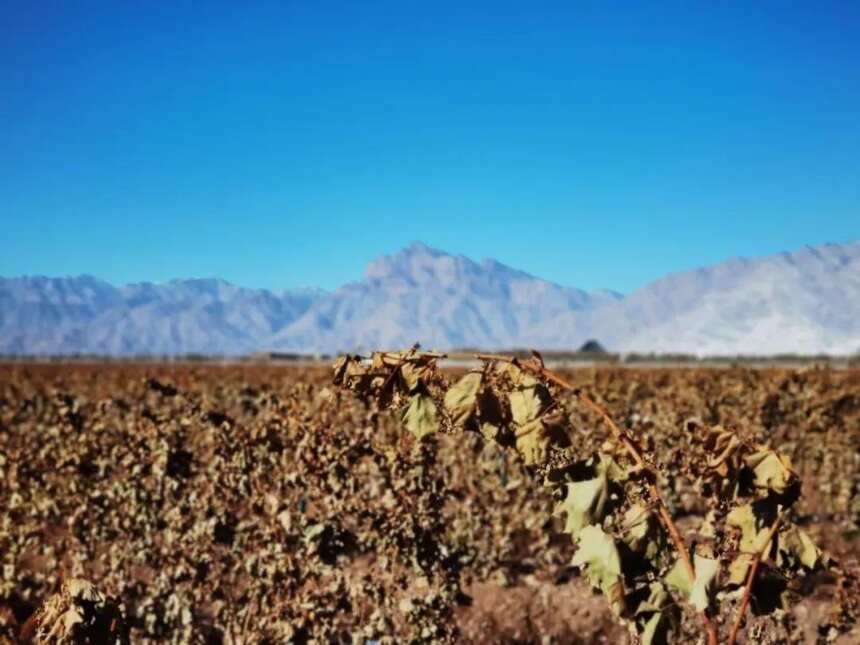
x,y
77,613
613,500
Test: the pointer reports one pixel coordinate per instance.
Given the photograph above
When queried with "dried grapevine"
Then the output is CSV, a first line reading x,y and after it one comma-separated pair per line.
x,y
629,545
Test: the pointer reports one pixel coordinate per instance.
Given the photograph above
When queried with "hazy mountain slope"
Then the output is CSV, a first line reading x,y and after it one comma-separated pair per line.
x,y
807,302
422,294
86,315
41,315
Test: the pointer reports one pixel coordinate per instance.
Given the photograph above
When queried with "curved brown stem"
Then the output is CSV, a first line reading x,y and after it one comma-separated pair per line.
x,y
739,618
636,454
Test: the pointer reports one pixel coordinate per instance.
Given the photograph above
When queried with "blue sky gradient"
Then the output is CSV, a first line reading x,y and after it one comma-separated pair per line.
x,y
286,144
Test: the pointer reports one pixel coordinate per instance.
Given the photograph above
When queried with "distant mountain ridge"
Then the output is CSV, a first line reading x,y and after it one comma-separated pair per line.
x,y
83,314
807,302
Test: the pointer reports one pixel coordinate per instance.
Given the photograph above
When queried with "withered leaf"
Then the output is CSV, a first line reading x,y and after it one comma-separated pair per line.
x,y
420,417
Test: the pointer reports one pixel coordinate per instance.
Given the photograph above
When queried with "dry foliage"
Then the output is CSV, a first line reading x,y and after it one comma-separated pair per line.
x,y
252,504
77,613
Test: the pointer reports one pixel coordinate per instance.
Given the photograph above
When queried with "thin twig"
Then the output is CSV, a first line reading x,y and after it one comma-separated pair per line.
x,y
636,454
739,618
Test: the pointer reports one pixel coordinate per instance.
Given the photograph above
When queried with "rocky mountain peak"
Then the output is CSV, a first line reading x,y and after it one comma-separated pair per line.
x,y
420,264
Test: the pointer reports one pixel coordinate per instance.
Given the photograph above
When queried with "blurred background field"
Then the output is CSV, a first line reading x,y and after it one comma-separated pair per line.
x,y
219,502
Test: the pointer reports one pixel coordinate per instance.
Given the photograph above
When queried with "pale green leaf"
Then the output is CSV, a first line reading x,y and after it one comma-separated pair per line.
x,y
657,597
753,528
583,503
599,559
313,531
650,633
679,578
697,590
420,417
706,571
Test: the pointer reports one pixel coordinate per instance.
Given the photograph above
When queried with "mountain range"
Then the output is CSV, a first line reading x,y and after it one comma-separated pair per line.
x,y
805,302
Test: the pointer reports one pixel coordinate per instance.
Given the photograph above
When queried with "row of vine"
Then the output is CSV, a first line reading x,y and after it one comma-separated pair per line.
x,y
612,500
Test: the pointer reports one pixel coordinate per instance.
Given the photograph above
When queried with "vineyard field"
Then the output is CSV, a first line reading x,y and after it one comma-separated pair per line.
x,y
261,503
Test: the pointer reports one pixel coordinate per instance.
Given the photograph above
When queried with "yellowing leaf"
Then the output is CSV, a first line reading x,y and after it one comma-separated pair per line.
x,y
706,570
739,569
649,634
599,559
420,417
532,442
638,531
583,504
585,500
462,398
772,470
517,376
490,431
722,444
314,531
679,578
796,547
658,619
526,405
697,590
753,529
657,597
411,375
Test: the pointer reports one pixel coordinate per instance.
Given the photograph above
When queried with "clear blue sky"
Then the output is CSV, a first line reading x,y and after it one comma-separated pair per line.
x,y
285,144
